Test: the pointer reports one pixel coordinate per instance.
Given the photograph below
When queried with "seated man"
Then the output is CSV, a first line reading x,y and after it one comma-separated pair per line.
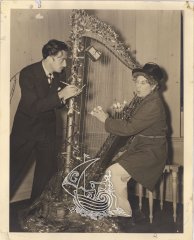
x,y
143,159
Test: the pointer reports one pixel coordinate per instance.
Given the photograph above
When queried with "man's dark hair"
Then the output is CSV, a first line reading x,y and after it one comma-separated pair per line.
x,y
53,47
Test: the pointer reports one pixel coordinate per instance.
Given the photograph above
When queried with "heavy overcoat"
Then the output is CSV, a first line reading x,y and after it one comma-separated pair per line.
x,y
145,158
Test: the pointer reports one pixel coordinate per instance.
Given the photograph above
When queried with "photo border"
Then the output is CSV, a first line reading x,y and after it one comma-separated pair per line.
x,y
188,15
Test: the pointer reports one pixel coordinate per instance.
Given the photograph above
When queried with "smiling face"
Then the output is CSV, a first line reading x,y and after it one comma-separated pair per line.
x,y
142,86
58,62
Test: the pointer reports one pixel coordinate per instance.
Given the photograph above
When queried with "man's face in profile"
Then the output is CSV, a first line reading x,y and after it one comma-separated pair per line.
x,y
59,61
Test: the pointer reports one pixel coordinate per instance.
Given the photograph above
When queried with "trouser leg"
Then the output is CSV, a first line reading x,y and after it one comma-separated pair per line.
x,y
20,161
46,166
119,179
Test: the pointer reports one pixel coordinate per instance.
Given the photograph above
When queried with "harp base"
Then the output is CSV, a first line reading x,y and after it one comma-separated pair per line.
x,y
55,216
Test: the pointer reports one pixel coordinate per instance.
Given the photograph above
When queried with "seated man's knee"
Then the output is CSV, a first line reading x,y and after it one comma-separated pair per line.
x,y
113,169
118,171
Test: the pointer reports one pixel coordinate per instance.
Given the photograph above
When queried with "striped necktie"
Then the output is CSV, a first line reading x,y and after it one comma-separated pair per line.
x,y
50,78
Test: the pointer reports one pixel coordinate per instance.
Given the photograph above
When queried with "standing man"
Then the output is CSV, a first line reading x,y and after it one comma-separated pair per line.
x,y
34,127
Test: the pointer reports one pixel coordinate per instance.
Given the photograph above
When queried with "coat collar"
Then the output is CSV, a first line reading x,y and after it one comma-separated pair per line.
x,y
39,71
148,98
41,80
42,75
153,95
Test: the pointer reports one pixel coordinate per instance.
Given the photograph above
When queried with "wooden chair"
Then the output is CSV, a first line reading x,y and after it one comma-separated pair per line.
x,y
173,170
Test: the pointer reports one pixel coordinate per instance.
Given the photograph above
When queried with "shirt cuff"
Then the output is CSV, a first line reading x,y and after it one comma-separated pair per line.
x,y
63,101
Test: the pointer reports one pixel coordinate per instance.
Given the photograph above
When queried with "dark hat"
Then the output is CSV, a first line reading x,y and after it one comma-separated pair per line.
x,y
151,71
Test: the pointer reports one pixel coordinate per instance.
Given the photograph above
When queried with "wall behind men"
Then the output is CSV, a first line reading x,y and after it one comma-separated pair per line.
x,y
153,36
30,30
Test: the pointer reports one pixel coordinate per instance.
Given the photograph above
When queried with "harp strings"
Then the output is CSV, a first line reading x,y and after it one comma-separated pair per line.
x,y
104,88
89,139
90,126
84,110
95,101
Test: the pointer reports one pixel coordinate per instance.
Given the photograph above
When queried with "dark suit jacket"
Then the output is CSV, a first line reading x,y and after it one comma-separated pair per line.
x,y
146,156
35,117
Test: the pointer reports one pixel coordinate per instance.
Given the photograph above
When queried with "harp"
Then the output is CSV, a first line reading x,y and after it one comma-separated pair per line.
x,y
85,136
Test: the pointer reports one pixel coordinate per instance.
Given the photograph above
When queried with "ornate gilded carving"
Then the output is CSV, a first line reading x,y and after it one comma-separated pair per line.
x,y
92,27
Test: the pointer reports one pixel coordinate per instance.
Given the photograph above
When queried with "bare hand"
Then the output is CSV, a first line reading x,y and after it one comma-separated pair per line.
x,y
99,114
69,91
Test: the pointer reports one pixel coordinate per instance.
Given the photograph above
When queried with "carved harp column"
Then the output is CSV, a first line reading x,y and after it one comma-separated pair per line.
x,y
84,28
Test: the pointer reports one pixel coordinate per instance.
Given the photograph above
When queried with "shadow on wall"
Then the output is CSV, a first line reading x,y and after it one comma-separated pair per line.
x,y
162,89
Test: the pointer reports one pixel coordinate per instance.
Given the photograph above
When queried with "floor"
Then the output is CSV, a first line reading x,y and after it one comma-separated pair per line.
x,y
162,222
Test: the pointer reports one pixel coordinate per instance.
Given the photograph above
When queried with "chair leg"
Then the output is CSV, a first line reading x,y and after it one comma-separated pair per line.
x,y
151,205
162,192
174,193
140,196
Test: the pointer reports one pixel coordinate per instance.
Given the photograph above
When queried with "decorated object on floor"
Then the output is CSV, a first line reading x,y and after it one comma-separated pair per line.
x,y
76,210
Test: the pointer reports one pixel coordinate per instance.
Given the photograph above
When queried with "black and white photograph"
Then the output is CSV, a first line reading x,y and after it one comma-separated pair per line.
x,y
98,133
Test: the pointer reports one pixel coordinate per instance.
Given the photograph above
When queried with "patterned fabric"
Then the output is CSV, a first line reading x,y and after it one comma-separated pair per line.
x,y
50,78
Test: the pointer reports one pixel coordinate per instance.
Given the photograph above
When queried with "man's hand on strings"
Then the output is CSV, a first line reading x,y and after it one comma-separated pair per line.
x,y
99,114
